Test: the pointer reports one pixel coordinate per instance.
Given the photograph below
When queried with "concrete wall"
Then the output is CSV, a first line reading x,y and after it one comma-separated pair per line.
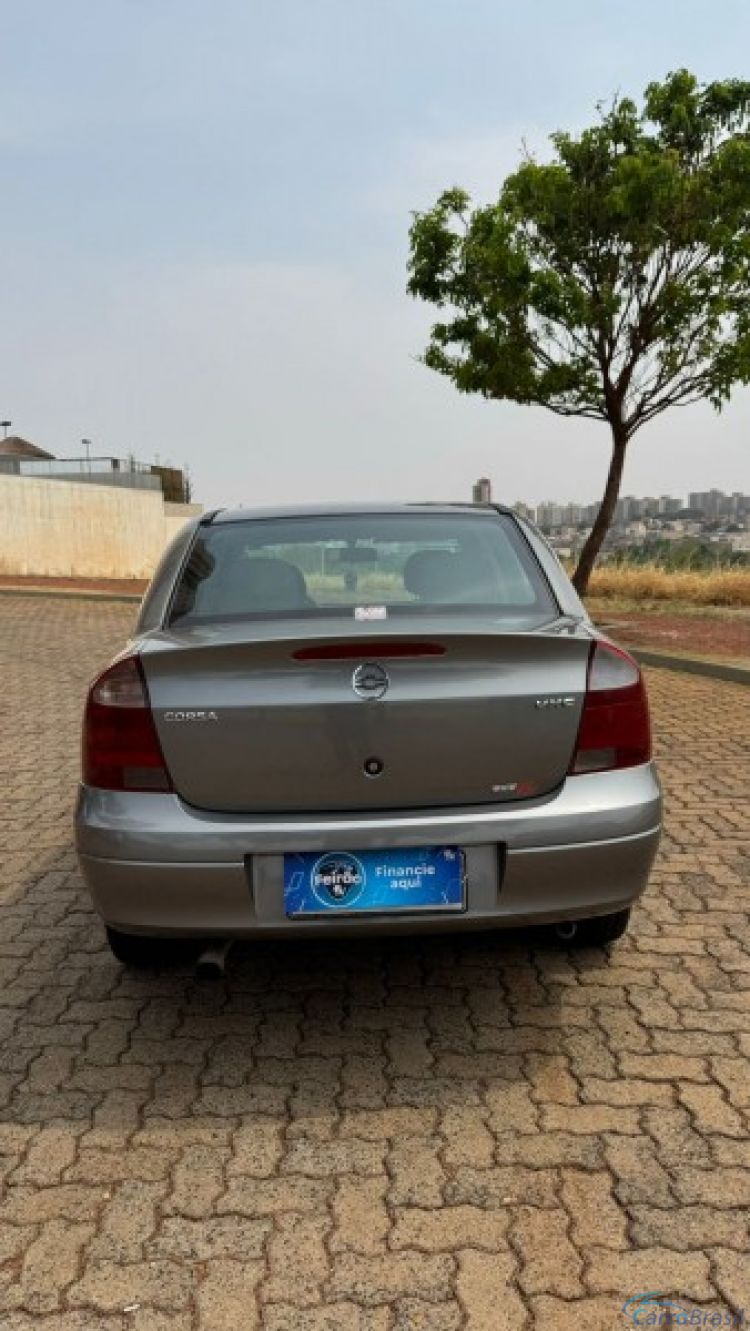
x,y
175,516
51,528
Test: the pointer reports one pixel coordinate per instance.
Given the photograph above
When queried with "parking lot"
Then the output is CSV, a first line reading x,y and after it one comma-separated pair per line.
x,y
481,1133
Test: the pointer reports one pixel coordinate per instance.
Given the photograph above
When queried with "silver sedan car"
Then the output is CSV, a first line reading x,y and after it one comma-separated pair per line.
x,y
390,719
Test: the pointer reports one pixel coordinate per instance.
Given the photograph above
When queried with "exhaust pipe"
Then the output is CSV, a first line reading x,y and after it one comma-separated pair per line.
x,y
212,962
566,930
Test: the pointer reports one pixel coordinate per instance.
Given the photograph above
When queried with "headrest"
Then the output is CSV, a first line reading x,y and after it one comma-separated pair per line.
x,y
262,583
439,575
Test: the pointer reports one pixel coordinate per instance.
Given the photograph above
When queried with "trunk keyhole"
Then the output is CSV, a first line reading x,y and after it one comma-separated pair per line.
x,y
373,766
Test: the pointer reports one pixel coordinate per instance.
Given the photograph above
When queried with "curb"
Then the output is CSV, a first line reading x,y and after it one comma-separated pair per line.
x,y
131,598
693,665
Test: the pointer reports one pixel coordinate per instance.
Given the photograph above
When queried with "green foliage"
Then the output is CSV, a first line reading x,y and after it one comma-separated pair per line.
x,y
612,282
691,554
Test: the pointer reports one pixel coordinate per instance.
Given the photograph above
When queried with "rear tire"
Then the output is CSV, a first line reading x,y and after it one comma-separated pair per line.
x,y
596,932
144,952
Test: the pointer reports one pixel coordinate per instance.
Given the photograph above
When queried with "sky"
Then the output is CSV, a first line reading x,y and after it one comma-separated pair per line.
x,y
204,233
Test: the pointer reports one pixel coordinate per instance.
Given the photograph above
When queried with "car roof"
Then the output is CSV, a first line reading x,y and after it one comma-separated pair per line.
x,y
222,515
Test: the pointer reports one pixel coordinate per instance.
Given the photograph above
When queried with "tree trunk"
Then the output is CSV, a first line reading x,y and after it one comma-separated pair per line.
x,y
605,515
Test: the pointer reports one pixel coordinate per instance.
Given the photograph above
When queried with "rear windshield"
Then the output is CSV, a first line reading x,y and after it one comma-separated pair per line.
x,y
362,566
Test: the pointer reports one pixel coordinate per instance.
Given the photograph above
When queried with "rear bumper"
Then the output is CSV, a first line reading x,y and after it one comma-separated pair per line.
x,y
154,865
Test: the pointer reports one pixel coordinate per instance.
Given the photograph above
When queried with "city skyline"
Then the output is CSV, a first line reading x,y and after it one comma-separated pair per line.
x,y
706,506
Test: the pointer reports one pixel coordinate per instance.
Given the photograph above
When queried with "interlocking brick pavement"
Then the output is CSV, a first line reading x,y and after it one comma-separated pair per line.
x,y
471,1133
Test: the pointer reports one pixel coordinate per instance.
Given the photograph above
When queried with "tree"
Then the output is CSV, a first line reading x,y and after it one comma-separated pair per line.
x,y
611,283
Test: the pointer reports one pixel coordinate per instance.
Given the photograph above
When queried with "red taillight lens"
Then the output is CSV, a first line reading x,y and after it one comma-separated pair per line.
x,y
614,730
121,749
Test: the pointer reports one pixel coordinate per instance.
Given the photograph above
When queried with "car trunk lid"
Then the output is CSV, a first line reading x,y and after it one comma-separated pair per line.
x,y
265,719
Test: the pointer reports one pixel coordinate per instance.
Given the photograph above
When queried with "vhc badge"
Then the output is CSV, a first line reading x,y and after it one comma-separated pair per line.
x,y
555,702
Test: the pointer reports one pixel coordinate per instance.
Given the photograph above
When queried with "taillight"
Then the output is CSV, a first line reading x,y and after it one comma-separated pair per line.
x,y
121,749
614,730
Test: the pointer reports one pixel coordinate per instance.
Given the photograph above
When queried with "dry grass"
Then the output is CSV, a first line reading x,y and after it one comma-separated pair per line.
x,y
649,582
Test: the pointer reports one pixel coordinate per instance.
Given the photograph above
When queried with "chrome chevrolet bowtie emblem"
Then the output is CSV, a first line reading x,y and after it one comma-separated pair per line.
x,y
370,681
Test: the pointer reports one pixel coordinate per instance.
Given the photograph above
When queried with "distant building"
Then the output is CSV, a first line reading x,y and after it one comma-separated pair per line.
x,y
21,458
481,491
549,515
704,514
628,508
14,447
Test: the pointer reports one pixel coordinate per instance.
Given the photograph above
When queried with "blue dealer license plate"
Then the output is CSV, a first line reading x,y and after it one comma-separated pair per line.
x,y
348,882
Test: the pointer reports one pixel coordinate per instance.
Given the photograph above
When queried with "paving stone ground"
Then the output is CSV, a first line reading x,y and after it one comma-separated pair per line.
x,y
481,1133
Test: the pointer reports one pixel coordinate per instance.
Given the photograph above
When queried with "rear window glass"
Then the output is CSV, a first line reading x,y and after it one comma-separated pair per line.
x,y
363,566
